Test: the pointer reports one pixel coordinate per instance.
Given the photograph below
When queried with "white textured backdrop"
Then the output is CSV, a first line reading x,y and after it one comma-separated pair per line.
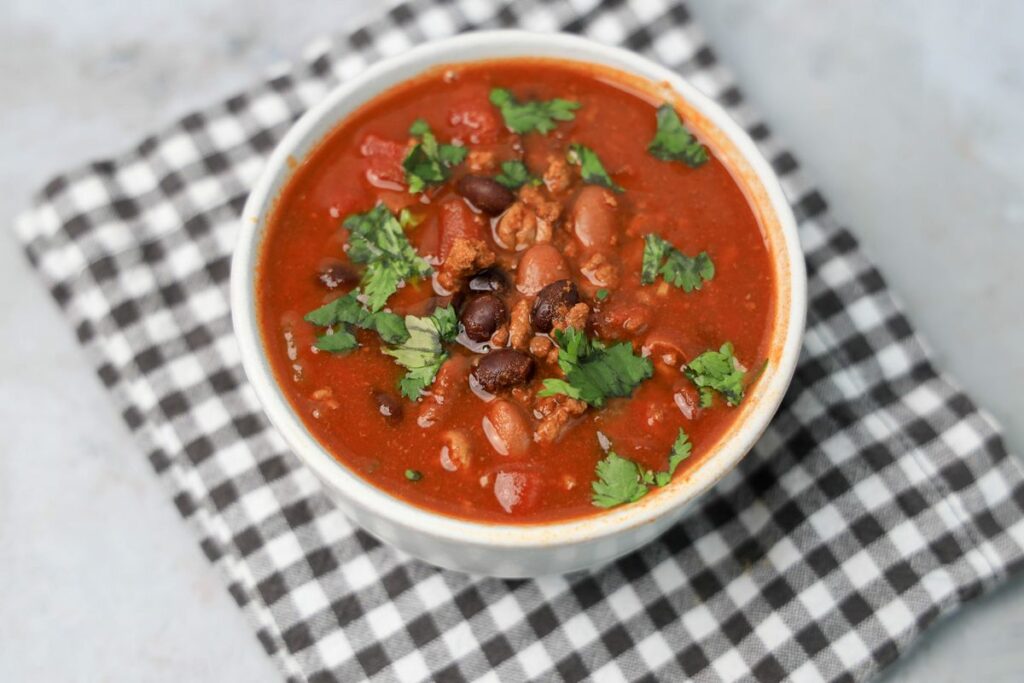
x,y
907,114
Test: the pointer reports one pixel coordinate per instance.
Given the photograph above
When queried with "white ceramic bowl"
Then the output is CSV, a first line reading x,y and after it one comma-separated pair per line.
x,y
538,549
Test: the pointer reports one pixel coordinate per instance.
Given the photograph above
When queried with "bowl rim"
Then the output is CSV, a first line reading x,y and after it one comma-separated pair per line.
x,y
730,448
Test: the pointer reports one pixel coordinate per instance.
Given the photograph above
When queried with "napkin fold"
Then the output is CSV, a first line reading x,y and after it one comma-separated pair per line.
x,y
879,499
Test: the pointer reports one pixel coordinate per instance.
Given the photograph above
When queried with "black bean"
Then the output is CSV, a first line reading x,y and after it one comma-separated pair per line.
x,y
334,273
503,368
481,315
489,280
486,194
553,301
388,405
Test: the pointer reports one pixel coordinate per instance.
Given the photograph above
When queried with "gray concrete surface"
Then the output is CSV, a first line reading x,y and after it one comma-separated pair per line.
x,y
907,113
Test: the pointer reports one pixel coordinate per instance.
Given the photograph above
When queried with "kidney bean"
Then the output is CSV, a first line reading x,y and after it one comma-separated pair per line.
x,y
481,315
593,218
503,368
333,274
517,491
553,301
506,428
539,266
486,194
450,383
458,221
456,453
388,406
489,280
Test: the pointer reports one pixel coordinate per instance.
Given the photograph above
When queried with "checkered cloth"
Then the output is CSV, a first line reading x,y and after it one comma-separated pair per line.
x,y
879,499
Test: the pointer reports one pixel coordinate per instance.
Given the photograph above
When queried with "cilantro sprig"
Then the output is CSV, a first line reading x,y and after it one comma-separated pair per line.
x,y
376,239
594,372
686,272
620,481
428,162
672,142
591,169
514,175
681,449
536,115
423,352
347,311
717,371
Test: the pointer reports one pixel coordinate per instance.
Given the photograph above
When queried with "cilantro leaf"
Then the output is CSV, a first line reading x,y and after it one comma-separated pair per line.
x,y
427,162
348,310
591,168
717,371
514,174
536,115
686,272
601,294
376,238
672,142
681,450
654,254
423,353
389,326
554,385
594,372
339,341
446,322
619,481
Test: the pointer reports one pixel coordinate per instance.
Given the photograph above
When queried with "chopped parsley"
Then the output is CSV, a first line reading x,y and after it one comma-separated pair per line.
x,y
345,312
717,371
673,142
413,475
535,115
423,352
620,481
594,372
376,238
678,269
591,169
428,163
514,174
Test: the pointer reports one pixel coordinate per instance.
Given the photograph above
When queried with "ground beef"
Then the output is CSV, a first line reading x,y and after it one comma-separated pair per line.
x,y
481,161
600,271
554,413
519,327
517,227
466,256
576,317
557,177
530,220
536,199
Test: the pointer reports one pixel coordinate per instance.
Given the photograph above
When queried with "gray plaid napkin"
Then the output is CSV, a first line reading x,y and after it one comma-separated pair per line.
x,y
880,498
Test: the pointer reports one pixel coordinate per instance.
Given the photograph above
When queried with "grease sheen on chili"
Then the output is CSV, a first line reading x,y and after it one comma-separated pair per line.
x,y
507,456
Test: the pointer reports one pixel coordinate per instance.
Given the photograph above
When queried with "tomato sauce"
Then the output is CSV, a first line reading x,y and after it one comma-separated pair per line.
x,y
350,401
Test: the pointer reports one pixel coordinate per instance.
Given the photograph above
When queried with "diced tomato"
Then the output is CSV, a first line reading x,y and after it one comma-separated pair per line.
x,y
396,200
383,162
474,121
457,220
640,427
